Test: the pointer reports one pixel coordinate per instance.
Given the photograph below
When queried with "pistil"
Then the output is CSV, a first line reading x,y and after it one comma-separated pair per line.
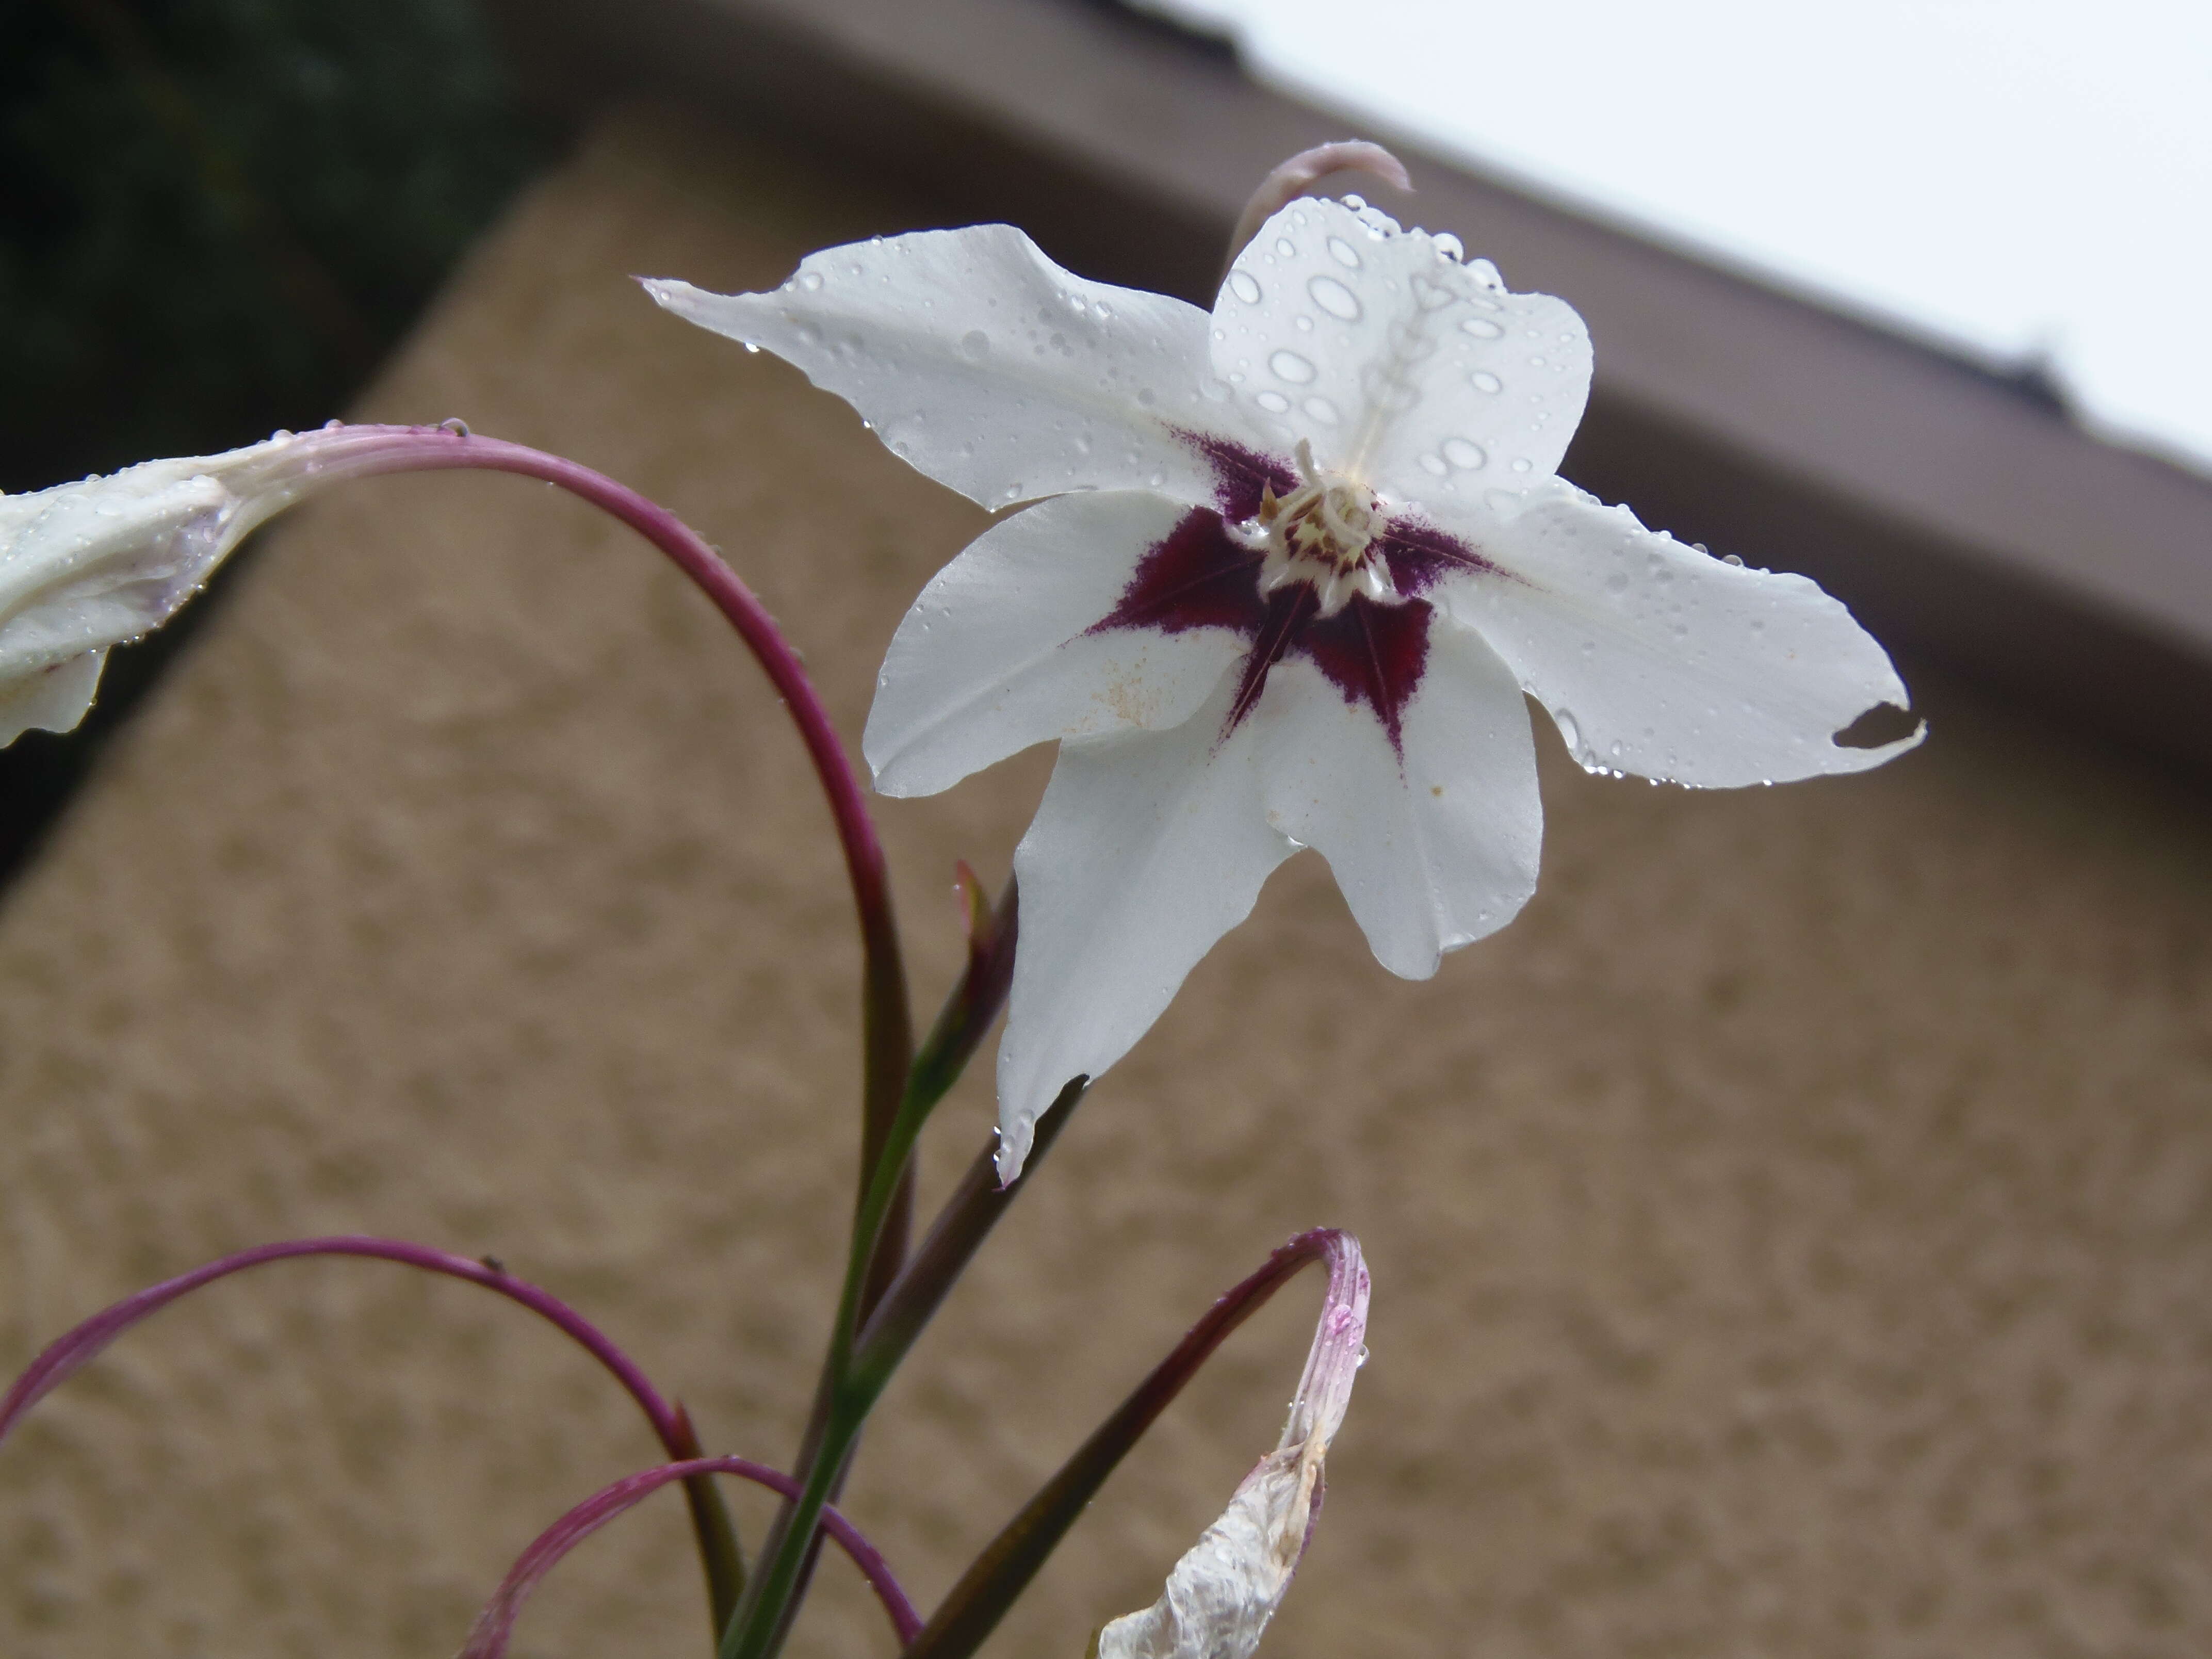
x,y
1323,533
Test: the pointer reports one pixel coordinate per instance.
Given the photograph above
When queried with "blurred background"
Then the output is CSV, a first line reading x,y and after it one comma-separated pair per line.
x,y
1793,1234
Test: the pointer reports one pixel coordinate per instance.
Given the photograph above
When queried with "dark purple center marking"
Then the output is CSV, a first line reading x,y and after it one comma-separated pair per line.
x,y
1198,576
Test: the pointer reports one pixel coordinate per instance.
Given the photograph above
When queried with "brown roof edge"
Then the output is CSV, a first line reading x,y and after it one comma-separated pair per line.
x,y
1963,518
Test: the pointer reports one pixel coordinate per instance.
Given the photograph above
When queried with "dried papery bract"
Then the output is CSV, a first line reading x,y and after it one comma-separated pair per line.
x,y
1222,1592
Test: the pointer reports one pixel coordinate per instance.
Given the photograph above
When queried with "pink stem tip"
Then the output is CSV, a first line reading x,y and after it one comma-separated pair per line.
x,y
495,1627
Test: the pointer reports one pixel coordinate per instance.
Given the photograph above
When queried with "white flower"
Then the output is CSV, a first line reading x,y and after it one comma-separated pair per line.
x,y
87,566
1299,562
1228,1585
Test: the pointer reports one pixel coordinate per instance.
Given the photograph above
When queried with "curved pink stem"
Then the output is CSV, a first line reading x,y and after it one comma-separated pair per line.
x,y
63,1359
340,451
495,1624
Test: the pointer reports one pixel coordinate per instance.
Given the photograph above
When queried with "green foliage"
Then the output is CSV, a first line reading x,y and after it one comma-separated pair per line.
x,y
215,213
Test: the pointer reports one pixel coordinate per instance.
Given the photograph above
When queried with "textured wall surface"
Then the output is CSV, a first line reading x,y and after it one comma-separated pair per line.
x,y
1794,1235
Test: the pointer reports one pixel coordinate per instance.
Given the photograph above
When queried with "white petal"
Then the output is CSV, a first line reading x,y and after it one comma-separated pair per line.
x,y
90,565
1147,847
1658,659
1224,1589
996,654
1401,364
1433,852
50,699
986,366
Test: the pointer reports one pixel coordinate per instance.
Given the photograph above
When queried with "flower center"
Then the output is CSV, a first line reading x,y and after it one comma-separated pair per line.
x,y
1323,533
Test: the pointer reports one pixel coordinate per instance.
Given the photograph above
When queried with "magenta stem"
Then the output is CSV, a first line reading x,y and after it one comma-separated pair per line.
x,y
63,1357
361,450
492,1627
440,447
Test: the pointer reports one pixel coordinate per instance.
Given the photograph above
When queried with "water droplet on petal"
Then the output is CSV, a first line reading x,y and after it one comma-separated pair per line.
x,y
976,344
1481,327
810,280
1321,410
1520,464
1435,464
1483,380
1273,401
1463,454
1289,366
1344,253
1242,285
1570,732
1336,299
1448,245
1286,248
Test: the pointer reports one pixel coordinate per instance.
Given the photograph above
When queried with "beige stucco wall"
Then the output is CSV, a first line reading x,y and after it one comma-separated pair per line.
x,y
1794,1235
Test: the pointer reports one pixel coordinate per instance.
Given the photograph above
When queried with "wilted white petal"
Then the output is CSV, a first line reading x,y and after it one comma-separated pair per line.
x,y
1222,1593
998,653
1434,850
1658,659
87,566
986,366
1147,847
1401,365
50,699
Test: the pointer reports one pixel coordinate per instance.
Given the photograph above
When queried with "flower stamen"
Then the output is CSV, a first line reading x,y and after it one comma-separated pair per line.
x,y
1324,532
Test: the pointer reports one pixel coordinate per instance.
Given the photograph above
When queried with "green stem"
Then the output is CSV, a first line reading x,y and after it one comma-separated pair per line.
x,y
960,1027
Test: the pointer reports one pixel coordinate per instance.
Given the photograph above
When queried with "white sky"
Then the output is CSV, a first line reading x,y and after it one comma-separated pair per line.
x,y
2010,176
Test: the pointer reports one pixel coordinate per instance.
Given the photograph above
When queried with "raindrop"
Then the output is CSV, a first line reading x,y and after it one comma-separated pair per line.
x,y
975,344
1486,382
1520,464
1462,454
1242,284
1286,248
808,335
1481,327
1344,253
1569,730
1356,204
1289,366
1736,559
810,280
1336,299
1103,312
1435,464
1273,401
1449,245
1156,479
1321,410
1362,1361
